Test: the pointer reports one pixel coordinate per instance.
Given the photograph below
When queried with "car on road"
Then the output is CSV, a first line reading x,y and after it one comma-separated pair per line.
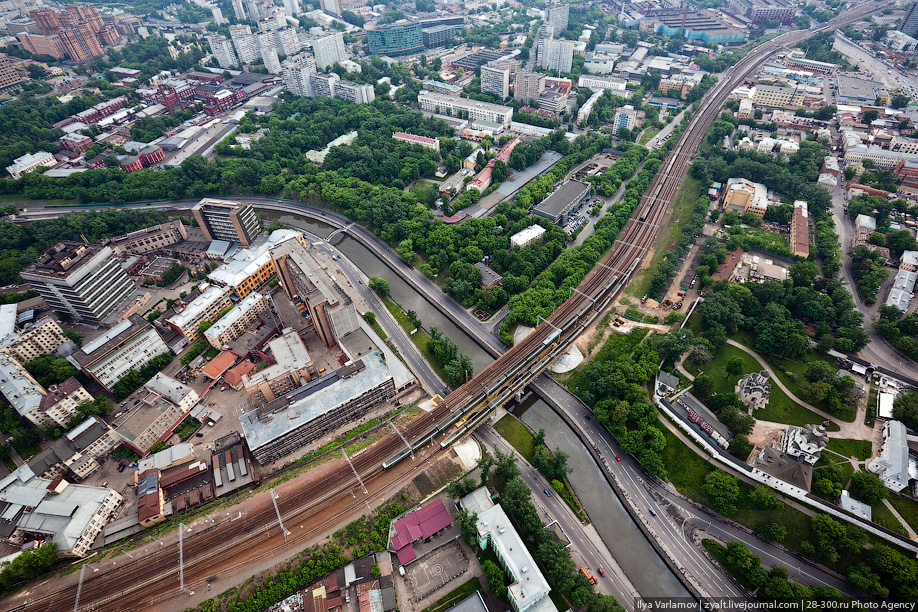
x,y
547,494
121,466
652,511
601,573
617,458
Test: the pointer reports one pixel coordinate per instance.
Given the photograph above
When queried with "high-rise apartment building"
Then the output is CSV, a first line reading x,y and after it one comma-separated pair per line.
x,y
270,58
217,14
9,77
558,16
47,21
223,51
909,24
495,80
79,43
625,117
355,92
84,281
273,20
400,38
37,44
329,50
323,85
297,71
288,41
557,55
225,220
84,13
292,7
247,48
336,7
238,10
528,86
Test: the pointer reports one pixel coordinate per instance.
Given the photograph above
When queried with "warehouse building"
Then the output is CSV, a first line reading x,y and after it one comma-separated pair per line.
x,y
321,406
557,206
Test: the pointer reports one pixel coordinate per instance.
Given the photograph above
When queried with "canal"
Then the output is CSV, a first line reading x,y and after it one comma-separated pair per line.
x,y
634,554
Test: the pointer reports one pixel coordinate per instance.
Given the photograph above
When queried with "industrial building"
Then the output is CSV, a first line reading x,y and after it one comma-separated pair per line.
x,y
37,509
559,204
243,317
127,346
161,405
742,196
227,220
701,25
321,406
248,269
27,163
293,367
22,391
85,281
206,307
302,277
77,453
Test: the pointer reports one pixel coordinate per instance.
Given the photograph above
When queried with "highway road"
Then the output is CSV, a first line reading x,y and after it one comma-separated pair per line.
x,y
677,518
499,381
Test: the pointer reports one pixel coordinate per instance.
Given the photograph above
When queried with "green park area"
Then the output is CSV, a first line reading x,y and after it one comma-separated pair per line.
x,y
780,408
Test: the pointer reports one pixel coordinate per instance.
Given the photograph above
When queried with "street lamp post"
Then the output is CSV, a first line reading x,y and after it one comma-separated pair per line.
x,y
76,603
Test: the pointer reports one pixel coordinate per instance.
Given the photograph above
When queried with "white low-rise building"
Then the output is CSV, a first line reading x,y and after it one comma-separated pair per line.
x,y
892,466
27,163
438,103
526,236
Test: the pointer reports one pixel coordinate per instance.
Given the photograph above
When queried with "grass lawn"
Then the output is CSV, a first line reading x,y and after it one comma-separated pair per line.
x,y
378,329
647,135
883,517
859,449
517,434
669,234
907,507
455,596
419,337
780,408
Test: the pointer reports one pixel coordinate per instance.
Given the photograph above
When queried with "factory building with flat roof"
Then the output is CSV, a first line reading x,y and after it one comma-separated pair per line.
x,y
559,204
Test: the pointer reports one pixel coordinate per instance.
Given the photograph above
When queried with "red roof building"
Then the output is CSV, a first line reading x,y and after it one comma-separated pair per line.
x,y
219,364
131,164
233,376
418,525
151,155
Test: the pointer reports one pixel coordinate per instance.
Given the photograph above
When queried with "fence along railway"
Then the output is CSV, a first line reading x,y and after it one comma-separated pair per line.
x,y
142,582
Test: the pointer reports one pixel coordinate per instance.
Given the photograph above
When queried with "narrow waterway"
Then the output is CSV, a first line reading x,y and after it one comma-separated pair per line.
x,y
634,554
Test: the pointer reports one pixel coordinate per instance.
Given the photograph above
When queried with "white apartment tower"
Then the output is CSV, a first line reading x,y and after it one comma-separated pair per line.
x,y
329,50
495,80
557,55
217,14
247,48
297,71
223,51
288,41
292,7
271,60
239,10
558,16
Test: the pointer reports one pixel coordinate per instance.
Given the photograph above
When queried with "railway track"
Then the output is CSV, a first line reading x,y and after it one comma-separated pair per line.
x,y
141,583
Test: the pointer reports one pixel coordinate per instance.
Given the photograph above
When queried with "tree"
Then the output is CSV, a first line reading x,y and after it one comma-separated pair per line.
x,y
723,491
700,354
703,386
734,366
773,531
868,487
496,578
50,370
460,487
833,536
468,526
379,285
764,498
905,409
671,345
